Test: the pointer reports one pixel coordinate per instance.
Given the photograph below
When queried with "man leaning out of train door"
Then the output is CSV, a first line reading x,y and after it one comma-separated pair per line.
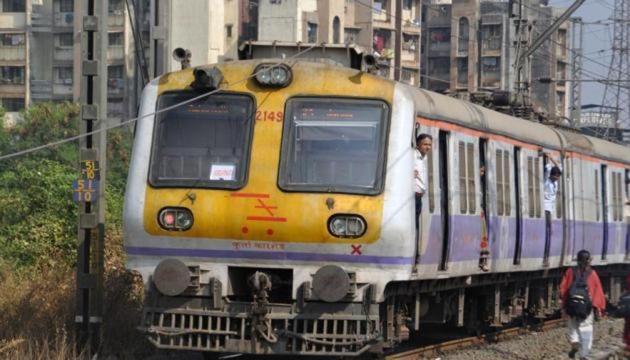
x,y
581,293
424,143
553,171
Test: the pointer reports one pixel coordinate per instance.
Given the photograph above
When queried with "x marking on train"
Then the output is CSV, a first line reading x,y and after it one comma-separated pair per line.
x,y
356,249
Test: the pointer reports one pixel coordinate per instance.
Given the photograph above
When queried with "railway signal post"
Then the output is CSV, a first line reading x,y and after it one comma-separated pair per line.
x,y
89,188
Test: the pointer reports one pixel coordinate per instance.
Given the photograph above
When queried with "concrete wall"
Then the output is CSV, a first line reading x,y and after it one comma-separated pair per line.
x,y
284,20
197,25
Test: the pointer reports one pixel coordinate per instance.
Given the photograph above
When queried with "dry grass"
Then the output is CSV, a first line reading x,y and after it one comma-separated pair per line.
x,y
37,311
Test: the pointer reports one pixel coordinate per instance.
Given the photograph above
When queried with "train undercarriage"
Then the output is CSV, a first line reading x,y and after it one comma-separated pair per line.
x,y
260,322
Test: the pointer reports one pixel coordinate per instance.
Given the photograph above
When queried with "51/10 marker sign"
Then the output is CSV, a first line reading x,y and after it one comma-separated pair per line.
x,y
85,190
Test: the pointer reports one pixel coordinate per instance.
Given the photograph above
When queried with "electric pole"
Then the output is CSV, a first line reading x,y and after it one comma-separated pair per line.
x,y
616,94
89,188
577,43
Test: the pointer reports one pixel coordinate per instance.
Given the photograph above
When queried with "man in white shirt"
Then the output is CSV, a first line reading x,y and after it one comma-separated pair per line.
x,y
553,172
424,143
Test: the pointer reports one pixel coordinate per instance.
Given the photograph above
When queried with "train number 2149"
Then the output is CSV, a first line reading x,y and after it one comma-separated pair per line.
x,y
264,115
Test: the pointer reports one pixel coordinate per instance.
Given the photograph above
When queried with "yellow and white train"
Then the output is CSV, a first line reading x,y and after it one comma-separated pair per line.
x,y
276,215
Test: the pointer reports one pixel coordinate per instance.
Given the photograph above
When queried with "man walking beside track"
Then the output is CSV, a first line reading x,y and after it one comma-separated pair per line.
x,y
581,293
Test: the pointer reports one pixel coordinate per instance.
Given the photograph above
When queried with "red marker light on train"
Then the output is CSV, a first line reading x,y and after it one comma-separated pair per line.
x,y
175,219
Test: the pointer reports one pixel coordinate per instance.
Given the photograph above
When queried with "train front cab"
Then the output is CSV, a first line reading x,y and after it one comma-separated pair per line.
x,y
256,259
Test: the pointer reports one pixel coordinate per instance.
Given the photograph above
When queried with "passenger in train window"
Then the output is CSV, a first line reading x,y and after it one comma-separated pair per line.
x,y
424,144
553,172
580,330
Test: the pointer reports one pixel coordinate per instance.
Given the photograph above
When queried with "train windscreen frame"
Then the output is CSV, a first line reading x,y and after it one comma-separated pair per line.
x,y
334,145
205,143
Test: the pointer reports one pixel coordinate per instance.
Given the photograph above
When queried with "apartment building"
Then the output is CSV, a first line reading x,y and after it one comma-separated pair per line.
x,y
472,46
40,55
368,24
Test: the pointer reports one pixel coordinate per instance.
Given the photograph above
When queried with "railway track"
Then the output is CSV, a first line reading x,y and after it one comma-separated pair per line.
x,y
438,349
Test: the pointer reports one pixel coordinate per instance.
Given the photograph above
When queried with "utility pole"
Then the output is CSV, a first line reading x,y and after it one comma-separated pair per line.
x,y
89,188
577,43
616,95
398,41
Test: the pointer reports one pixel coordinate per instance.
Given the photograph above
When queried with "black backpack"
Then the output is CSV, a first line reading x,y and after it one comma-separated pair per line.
x,y
579,304
623,306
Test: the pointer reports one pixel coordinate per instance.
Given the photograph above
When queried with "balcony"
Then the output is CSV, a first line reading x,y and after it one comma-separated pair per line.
x,y
115,52
410,57
64,53
116,19
41,89
12,20
64,19
62,89
491,46
12,53
10,88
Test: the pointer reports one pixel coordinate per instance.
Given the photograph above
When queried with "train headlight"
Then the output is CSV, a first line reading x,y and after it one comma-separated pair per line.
x,y
273,75
175,219
347,226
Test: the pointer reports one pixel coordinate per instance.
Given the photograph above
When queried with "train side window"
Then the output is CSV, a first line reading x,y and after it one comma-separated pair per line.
x,y
530,186
507,184
614,195
431,191
596,195
463,194
499,180
472,203
537,181
618,204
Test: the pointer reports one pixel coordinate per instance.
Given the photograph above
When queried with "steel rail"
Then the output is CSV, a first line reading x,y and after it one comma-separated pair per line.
x,y
457,344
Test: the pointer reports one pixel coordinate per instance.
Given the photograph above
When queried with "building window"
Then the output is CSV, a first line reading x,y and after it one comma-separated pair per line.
x,y
336,30
440,39
13,6
228,31
464,30
66,5
12,39
491,72
312,32
491,36
13,104
115,72
350,35
462,72
115,39
116,7
65,40
407,4
12,75
380,6
63,75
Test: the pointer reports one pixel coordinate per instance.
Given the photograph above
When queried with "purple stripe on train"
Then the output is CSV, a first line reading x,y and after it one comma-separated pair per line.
x,y
269,255
465,235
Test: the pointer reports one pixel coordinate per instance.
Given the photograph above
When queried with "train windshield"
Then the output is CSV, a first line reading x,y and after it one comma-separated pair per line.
x,y
334,145
204,143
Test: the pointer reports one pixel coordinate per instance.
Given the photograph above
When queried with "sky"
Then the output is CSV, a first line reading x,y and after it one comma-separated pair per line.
x,y
597,44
